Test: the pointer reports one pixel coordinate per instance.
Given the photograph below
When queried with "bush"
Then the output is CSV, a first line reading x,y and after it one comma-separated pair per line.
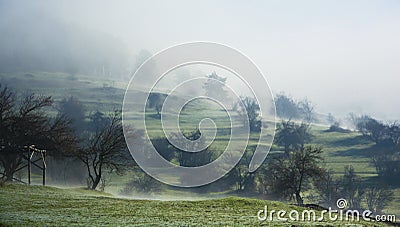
x,y
141,183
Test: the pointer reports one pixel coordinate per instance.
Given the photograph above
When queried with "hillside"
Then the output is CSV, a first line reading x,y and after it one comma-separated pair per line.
x,y
104,94
37,205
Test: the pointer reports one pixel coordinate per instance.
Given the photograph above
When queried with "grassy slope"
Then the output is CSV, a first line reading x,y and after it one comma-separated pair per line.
x,y
38,205
340,148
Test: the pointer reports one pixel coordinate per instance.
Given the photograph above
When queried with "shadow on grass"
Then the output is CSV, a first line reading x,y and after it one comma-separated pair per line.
x,y
357,152
351,141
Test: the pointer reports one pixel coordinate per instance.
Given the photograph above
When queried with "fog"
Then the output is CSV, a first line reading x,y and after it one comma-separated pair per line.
x,y
342,55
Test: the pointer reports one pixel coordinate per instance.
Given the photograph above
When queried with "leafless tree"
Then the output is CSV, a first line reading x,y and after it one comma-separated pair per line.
x,y
105,149
378,198
23,122
291,174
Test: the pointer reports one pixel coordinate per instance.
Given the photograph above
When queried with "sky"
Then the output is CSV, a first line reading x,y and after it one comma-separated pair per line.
x,y
342,55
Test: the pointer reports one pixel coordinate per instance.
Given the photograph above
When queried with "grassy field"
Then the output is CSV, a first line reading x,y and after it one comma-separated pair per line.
x,y
38,206
340,149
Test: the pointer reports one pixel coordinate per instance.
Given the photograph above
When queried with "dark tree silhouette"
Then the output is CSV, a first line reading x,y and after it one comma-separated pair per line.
x,y
292,136
351,187
306,110
328,188
105,150
372,129
251,107
291,174
24,122
286,107
377,198
192,159
97,120
156,101
73,109
240,175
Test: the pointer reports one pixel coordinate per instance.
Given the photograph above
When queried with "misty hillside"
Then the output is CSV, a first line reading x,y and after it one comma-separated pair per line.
x,y
183,113
38,42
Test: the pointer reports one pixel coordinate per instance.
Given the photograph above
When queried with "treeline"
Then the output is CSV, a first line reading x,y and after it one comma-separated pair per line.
x,y
87,149
386,136
289,108
93,143
42,43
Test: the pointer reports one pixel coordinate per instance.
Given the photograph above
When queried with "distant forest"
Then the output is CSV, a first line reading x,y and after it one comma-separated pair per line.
x,y
50,45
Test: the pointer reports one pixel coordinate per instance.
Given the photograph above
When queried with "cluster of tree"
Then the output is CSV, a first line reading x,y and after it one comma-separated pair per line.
x,y
25,121
183,158
297,157
239,177
155,101
95,143
386,137
288,177
351,187
378,132
298,169
141,183
288,108
335,124
252,109
292,136
215,86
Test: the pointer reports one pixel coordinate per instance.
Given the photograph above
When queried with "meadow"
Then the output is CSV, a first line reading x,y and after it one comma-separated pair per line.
x,y
23,205
43,206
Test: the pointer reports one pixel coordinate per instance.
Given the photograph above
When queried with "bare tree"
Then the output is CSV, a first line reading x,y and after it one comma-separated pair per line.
x,y
105,150
351,186
306,110
328,188
240,175
290,175
25,122
377,198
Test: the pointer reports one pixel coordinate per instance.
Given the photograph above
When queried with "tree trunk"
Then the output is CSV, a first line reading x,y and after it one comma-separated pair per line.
x,y
97,179
96,182
299,200
9,170
9,175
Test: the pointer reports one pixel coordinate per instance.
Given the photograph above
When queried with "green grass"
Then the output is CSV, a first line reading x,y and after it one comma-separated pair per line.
x,y
23,205
340,149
